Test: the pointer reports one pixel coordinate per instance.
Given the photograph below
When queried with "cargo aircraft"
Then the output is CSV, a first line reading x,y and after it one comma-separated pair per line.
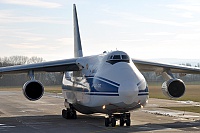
x,y
109,83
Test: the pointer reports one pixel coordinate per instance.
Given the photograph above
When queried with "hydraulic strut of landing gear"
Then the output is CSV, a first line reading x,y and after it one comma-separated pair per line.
x,y
123,118
70,113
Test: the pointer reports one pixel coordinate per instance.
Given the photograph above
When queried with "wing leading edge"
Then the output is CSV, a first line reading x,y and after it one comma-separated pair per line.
x,y
51,66
148,66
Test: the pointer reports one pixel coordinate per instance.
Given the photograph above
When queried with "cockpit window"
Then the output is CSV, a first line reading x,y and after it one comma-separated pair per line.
x,y
111,56
125,57
118,58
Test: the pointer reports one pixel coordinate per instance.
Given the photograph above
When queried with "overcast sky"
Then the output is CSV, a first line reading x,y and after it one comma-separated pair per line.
x,y
143,28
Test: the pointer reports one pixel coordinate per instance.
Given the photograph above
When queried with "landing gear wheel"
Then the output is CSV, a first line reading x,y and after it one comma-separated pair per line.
x,y
107,122
122,117
128,122
70,113
64,113
113,122
73,115
121,122
127,118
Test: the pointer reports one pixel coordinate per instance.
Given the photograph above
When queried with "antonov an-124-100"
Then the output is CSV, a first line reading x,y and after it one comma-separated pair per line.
x,y
110,83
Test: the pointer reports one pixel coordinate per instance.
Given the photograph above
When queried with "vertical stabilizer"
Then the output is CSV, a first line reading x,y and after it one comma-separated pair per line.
x,y
77,39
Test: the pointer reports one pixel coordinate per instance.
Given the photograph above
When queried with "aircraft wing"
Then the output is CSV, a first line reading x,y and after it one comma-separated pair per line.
x,y
148,66
51,66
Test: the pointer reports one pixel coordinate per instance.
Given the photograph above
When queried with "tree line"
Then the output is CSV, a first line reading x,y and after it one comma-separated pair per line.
x,y
20,79
56,78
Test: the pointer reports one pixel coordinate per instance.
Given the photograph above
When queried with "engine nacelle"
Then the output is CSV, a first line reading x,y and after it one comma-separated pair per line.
x,y
173,88
33,90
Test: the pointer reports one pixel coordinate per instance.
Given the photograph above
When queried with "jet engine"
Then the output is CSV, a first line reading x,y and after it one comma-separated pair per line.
x,y
173,88
33,90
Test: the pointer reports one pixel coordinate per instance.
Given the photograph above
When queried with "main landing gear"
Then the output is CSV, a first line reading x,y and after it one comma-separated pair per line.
x,y
70,113
123,118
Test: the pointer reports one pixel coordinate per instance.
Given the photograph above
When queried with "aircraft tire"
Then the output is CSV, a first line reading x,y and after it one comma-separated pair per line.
x,y
121,122
113,122
107,122
64,113
128,122
68,114
74,115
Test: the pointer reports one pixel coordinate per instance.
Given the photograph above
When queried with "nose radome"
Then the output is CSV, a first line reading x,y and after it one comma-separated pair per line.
x,y
128,92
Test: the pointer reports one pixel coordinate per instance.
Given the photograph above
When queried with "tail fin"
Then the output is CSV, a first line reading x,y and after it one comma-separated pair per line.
x,y
77,39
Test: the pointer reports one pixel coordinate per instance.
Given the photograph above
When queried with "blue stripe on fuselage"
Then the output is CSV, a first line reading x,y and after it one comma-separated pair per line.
x,y
142,94
104,79
145,90
103,94
96,84
109,81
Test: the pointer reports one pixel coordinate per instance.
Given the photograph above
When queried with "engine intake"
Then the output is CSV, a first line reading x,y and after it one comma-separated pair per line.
x,y
33,90
173,88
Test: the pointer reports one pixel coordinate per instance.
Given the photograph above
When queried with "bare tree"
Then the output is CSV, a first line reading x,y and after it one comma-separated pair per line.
x,y
35,59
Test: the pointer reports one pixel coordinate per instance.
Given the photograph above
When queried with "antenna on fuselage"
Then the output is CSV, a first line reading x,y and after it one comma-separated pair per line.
x,y
77,39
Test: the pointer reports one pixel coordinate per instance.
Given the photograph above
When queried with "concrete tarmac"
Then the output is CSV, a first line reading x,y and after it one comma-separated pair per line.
x,y
19,115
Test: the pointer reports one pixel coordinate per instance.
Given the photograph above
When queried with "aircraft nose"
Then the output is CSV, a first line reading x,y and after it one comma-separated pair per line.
x,y
128,92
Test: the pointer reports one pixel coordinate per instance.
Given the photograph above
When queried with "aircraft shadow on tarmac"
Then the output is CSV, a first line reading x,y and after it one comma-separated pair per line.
x,y
84,123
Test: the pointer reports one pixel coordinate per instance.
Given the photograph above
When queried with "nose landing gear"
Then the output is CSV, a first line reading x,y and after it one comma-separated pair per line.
x,y
122,117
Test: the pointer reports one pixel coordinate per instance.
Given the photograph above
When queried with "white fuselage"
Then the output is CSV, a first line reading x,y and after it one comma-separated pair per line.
x,y
108,83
